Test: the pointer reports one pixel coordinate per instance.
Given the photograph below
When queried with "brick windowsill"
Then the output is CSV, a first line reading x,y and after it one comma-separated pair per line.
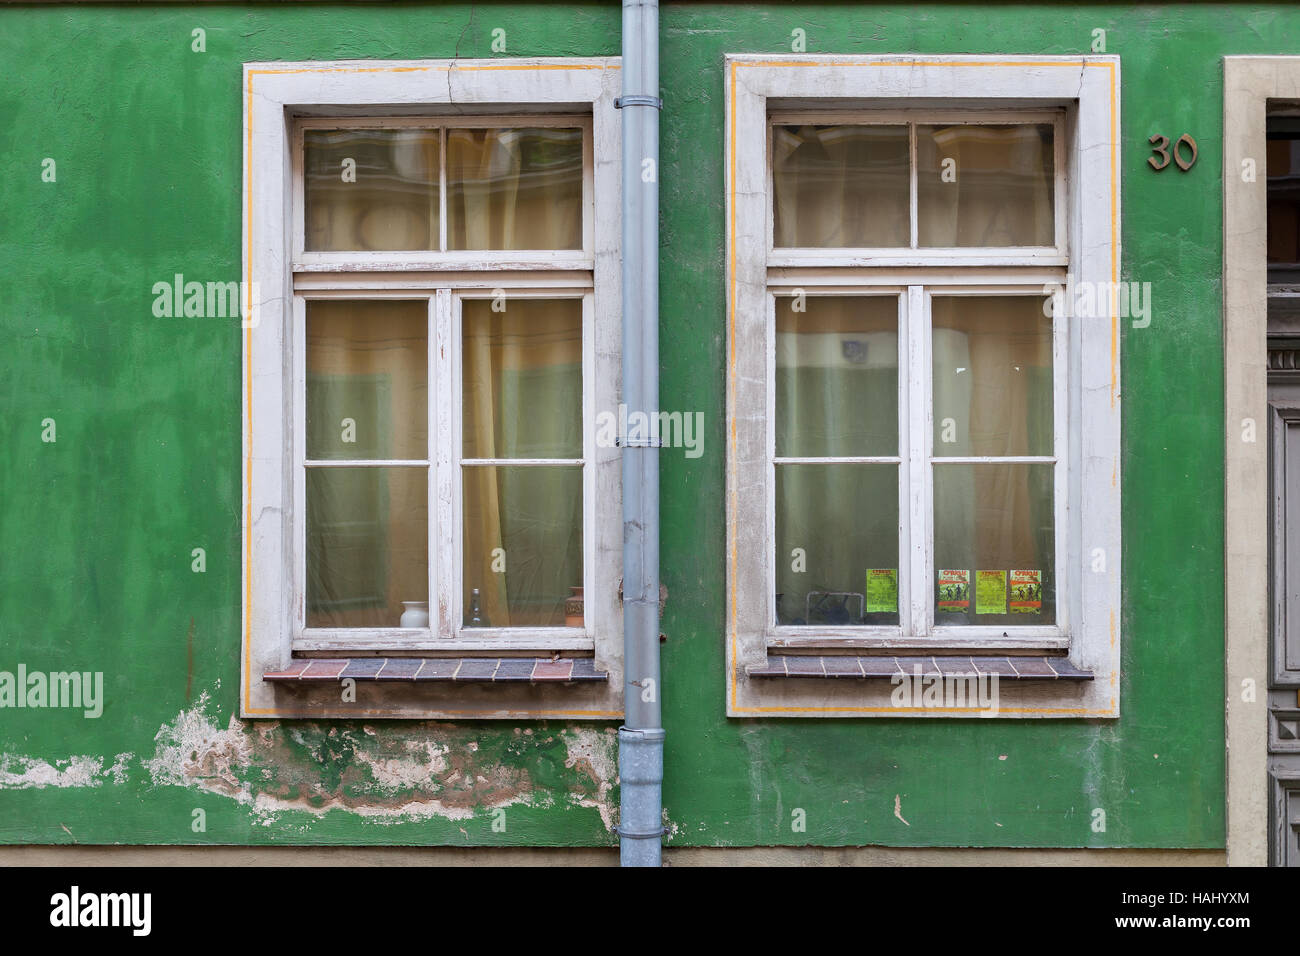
x,y
883,668
492,670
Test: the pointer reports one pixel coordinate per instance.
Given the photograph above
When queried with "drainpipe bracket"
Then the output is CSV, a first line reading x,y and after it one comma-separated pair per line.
x,y
639,442
633,835
638,99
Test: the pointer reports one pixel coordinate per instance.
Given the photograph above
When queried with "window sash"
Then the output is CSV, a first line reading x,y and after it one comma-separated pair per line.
x,y
304,260
916,561
444,464
913,255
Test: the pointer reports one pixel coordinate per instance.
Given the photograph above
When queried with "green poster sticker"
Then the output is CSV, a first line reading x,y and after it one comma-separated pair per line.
x,y
1026,592
954,591
990,592
882,590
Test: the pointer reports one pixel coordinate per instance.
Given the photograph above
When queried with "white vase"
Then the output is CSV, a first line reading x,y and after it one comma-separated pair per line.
x,y
416,614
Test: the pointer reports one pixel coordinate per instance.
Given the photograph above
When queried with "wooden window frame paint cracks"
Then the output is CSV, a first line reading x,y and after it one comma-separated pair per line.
x,y
1080,95
281,99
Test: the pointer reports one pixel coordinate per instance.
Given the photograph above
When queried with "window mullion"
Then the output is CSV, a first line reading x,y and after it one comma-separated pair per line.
x,y
298,355
1065,579
443,489
589,520
916,393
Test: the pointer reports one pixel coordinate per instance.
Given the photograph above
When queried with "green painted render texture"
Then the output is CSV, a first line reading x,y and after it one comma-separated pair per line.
x,y
97,528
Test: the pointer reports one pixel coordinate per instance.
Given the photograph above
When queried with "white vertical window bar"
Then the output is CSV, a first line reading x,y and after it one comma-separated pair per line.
x,y
442,565
907,587
918,452
769,480
449,424
588,452
1065,578
298,439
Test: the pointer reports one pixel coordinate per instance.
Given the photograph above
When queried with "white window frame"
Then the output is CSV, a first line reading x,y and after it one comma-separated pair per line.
x,y
282,99
914,254
445,484
1080,96
443,258
918,628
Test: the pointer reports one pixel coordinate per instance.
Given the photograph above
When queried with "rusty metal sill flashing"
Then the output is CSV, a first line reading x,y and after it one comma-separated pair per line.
x,y
490,670
886,668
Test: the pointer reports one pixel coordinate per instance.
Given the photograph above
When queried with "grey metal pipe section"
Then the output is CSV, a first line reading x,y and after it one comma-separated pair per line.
x,y
640,740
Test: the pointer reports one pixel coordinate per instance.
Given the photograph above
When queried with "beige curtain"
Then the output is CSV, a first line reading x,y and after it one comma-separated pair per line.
x,y
836,396
995,189
992,359
390,205
514,188
849,186
522,370
522,398
367,527
840,186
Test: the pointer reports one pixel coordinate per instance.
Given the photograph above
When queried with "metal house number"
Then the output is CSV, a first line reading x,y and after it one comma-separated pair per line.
x,y
1160,145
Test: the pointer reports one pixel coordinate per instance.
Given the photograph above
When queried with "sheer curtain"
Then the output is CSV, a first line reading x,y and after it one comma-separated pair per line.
x,y
840,186
515,188
985,185
371,189
522,375
836,396
367,526
992,381
845,186
522,381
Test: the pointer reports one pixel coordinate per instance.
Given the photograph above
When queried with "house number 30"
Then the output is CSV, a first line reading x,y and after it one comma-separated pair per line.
x,y
1160,146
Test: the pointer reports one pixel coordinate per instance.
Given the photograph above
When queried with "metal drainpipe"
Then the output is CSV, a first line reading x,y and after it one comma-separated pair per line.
x,y
641,739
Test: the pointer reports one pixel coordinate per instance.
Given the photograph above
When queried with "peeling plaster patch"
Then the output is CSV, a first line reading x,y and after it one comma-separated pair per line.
x,y
193,751
898,807
118,770
315,767
670,829
24,773
594,752
429,759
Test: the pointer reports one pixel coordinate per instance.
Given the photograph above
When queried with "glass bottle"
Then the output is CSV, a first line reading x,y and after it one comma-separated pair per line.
x,y
475,614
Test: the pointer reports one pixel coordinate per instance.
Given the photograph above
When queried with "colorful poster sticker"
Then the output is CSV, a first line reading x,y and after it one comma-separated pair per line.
x,y
882,590
990,592
954,591
1026,592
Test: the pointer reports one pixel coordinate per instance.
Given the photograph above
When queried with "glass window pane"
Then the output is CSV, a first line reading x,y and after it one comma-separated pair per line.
x,y
835,526
836,376
995,522
985,185
514,188
522,378
523,543
992,376
840,186
370,189
367,379
367,544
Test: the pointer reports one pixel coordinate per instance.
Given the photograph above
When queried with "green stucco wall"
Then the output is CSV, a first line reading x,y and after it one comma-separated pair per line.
x,y
97,528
